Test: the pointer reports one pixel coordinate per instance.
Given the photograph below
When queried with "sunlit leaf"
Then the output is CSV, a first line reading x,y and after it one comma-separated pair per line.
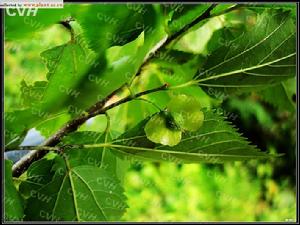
x,y
25,22
215,142
13,201
81,193
184,14
67,65
261,57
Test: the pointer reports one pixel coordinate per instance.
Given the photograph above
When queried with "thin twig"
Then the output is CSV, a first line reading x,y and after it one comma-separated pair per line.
x,y
38,148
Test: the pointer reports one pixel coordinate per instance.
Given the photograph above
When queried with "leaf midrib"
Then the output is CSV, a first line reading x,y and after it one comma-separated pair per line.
x,y
94,197
58,195
244,69
184,153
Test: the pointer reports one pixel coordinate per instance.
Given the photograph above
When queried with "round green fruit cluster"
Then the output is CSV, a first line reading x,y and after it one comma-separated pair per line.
x,y
183,113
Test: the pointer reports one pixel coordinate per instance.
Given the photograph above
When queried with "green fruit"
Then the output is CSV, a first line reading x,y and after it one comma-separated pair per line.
x,y
158,130
183,113
190,121
170,121
186,111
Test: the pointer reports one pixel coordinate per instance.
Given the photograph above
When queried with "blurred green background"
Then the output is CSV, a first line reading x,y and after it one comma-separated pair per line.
x,y
241,191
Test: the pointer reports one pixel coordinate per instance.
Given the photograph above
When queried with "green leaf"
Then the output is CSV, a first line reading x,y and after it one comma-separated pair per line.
x,y
104,157
50,125
220,8
119,24
32,94
263,56
17,123
47,123
215,31
176,67
81,193
67,65
13,201
291,7
183,15
280,95
103,195
19,27
98,157
37,175
215,142
158,131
